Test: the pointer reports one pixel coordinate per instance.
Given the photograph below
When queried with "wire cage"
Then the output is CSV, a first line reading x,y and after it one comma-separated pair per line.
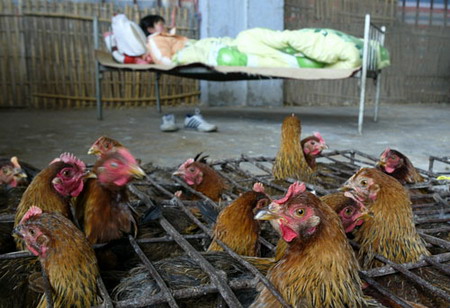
x,y
431,210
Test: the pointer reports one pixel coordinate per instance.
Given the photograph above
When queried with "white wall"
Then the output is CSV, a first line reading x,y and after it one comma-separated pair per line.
x,y
228,18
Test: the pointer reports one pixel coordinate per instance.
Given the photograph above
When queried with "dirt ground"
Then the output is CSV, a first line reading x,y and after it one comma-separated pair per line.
x,y
38,136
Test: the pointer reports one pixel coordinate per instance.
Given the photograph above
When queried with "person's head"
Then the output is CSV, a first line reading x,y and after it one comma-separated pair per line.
x,y
152,23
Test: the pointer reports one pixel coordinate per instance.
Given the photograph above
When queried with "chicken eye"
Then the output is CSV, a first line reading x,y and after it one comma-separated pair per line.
x,y
263,203
313,142
6,171
348,211
363,182
66,173
300,212
107,145
32,232
191,169
114,165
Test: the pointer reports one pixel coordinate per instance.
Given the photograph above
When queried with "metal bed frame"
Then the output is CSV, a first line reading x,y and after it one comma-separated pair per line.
x,y
368,70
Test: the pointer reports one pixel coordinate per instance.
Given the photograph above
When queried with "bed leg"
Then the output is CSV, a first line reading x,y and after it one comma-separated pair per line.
x,y
377,97
98,73
98,91
362,100
362,97
158,97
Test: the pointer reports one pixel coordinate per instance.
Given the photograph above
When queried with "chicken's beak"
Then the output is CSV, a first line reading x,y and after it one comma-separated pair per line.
x,y
56,181
90,175
17,231
178,173
324,146
266,214
137,172
19,173
365,214
344,188
381,163
93,151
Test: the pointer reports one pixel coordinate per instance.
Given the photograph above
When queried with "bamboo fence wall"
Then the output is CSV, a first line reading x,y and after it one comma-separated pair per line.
x,y
420,52
47,57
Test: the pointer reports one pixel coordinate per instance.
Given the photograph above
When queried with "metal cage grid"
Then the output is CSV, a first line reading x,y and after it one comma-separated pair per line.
x,y
431,211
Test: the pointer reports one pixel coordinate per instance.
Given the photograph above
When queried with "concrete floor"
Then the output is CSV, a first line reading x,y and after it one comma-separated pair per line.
x,y
38,136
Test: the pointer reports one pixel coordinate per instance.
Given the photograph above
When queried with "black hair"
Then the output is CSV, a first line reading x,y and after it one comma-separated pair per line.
x,y
150,21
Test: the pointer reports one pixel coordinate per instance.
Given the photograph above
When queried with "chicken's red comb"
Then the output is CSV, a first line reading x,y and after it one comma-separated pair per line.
x,y
385,153
33,211
69,158
186,163
15,162
99,139
258,187
319,136
294,190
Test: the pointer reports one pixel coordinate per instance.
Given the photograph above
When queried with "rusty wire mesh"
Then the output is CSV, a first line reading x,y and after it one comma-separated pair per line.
x,y
431,211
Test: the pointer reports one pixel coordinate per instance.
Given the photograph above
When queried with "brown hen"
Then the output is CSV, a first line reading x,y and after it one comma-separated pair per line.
x,y
318,262
290,161
235,225
352,215
399,166
202,177
104,145
66,256
391,233
102,208
53,188
312,147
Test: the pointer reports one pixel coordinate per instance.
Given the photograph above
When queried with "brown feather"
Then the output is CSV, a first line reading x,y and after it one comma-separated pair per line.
x,y
406,173
104,213
69,263
336,201
320,271
290,161
391,231
236,227
310,159
41,192
212,185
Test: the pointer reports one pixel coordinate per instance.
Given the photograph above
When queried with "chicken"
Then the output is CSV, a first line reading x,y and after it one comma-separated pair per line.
x,y
11,173
11,190
290,161
235,225
53,188
312,147
66,256
102,208
391,232
103,145
352,215
399,166
316,241
201,177
12,181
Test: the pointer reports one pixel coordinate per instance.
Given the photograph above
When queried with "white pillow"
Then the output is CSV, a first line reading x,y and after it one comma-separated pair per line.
x,y
129,36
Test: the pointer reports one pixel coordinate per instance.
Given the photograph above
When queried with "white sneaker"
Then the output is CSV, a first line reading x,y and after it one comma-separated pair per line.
x,y
196,121
168,123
